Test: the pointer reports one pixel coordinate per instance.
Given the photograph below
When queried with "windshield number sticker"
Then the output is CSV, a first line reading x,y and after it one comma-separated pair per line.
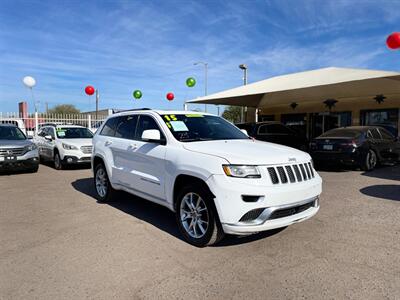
x,y
179,126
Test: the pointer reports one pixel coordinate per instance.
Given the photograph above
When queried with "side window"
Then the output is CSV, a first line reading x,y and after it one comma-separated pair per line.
x,y
263,129
375,134
50,131
42,132
146,123
126,127
109,127
386,135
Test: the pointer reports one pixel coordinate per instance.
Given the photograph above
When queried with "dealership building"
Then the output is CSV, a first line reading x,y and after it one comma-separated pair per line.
x,y
319,100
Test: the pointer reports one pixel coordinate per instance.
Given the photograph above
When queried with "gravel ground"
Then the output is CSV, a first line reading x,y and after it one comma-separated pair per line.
x,y
57,242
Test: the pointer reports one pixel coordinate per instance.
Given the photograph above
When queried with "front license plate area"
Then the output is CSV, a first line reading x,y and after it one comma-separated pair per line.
x,y
10,158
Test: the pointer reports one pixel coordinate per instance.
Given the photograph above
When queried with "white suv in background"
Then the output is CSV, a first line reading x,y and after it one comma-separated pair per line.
x,y
65,144
213,176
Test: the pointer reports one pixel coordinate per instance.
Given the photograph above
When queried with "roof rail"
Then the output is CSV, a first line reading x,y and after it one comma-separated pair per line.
x,y
134,109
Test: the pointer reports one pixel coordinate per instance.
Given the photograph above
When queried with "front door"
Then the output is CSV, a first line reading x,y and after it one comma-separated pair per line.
x,y
148,161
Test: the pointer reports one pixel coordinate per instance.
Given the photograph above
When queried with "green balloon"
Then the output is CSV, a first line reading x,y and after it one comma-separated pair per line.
x,y
190,82
137,94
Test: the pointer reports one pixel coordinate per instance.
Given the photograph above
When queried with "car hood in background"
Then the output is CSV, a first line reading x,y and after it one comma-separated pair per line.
x,y
249,152
14,144
76,142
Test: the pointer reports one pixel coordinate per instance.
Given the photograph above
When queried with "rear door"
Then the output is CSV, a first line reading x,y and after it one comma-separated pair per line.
x,y
122,147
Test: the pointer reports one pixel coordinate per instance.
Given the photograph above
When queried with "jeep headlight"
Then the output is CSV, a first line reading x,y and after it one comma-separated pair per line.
x,y
30,147
69,147
241,171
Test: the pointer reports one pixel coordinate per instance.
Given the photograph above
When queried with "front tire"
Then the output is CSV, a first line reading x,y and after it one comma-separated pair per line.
x,y
197,217
58,164
369,161
104,191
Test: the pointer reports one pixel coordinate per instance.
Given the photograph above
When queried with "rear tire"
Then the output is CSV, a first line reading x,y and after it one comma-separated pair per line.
x,y
197,217
370,161
104,191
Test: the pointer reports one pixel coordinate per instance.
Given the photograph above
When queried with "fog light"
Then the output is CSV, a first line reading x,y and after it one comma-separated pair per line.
x,y
69,160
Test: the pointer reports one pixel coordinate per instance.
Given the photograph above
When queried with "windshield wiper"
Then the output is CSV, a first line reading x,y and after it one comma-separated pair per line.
x,y
195,139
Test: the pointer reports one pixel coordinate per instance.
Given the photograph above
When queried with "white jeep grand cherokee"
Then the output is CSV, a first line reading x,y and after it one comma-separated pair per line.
x,y
213,176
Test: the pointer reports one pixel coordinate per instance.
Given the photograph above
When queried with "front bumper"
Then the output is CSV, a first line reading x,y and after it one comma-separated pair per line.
x,y
72,160
266,220
231,207
29,160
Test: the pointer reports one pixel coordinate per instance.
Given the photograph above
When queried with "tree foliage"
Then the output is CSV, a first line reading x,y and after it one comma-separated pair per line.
x,y
232,113
64,109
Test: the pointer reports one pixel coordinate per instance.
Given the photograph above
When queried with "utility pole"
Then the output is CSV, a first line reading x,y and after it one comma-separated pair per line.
x,y
205,79
243,109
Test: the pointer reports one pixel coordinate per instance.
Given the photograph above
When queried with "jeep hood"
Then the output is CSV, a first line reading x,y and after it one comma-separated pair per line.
x,y
249,152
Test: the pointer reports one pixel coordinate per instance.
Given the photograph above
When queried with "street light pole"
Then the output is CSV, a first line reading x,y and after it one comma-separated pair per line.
x,y
244,68
205,79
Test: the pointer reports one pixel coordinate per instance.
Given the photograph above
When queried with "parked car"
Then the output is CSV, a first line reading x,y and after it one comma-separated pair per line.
x,y
361,146
214,177
16,151
17,122
65,145
275,132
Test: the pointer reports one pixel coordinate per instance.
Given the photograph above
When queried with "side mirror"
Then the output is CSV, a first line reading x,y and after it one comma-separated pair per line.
x,y
152,136
244,131
48,138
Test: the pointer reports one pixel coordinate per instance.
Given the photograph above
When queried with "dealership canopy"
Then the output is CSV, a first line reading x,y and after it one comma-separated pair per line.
x,y
309,87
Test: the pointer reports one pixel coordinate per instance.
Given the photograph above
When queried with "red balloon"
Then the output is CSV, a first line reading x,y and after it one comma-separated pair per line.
x,y
170,96
89,90
393,40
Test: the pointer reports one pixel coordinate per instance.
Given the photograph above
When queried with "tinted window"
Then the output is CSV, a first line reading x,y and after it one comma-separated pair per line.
x,y
375,134
386,135
109,127
273,129
11,133
146,123
126,127
341,132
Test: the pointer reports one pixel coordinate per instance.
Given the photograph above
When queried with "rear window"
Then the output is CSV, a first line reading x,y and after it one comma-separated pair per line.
x,y
346,133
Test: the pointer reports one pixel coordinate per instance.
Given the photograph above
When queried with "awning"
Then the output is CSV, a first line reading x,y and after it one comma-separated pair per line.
x,y
308,87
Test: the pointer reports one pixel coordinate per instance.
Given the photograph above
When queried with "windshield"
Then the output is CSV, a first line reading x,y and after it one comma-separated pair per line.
x,y
199,127
73,133
346,133
11,133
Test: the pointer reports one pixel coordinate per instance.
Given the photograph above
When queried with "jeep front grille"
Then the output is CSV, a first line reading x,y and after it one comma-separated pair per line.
x,y
291,173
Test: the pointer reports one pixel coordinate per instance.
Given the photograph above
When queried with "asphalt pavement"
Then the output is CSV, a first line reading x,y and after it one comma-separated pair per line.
x,y
57,242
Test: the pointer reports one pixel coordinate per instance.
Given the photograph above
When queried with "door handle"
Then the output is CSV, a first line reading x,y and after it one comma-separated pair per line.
x,y
132,147
107,143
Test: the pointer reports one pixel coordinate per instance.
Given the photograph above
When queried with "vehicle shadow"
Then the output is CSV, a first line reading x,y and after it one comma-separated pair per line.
x,y
50,164
157,215
383,191
385,172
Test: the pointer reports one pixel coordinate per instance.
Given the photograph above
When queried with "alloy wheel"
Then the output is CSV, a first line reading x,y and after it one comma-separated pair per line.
x,y
194,215
101,182
371,159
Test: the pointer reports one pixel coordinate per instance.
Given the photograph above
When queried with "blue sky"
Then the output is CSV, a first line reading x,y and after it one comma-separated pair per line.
x,y
120,46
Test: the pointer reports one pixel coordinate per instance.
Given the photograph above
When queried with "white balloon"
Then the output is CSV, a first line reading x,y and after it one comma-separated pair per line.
x,y
29,81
